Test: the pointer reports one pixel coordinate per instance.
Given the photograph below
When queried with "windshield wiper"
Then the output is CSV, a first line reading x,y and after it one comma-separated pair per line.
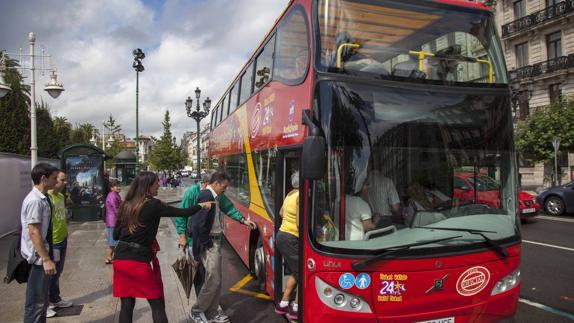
x,y
493,245
389,251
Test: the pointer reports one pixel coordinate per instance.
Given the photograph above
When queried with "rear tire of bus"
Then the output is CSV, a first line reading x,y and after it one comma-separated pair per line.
x,y
259,266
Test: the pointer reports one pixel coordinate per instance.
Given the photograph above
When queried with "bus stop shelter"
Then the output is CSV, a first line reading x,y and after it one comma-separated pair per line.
x,y
125,170
84,167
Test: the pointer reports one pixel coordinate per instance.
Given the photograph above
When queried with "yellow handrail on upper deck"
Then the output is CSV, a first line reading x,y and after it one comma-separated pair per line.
x,y
422,55
340,50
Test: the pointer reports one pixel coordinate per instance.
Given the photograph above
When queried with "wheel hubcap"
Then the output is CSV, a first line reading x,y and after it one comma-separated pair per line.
x,y
554,206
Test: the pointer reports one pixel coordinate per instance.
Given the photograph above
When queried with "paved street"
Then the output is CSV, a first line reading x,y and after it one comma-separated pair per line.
x,y
87,281
547,293
547,262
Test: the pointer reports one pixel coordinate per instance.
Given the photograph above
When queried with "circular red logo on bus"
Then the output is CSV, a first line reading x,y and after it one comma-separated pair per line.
x,y
472,281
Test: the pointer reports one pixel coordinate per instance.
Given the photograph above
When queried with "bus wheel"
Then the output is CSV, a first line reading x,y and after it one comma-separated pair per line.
x,y
259,266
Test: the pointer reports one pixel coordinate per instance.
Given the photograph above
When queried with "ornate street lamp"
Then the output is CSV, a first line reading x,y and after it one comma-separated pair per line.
x,y
53,88
138,67
197,115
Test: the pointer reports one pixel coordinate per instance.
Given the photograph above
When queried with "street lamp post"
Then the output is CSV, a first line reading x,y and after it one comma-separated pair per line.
x,y
53,88
110,140
138,67
197,115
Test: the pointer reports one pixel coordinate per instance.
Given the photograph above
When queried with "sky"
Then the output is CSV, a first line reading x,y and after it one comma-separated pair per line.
x,y
188,44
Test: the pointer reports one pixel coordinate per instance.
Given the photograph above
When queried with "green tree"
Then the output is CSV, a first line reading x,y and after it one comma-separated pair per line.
x,y
534,136
82,133
166,155
61,130
48,146
15,113
113,130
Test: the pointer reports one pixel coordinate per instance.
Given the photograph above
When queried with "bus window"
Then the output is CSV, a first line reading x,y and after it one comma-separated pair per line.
x,y
233,98
224,111
246,84
292,53
220,116
264,64
212,118
226,105
236,167
265,172
437,46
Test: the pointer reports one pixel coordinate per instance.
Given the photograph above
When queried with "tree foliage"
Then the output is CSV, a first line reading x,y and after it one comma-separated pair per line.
x,y
166,155
534,136
82,133
116,145
15,114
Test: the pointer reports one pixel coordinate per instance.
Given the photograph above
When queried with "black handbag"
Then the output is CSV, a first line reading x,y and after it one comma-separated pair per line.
x,y
18,268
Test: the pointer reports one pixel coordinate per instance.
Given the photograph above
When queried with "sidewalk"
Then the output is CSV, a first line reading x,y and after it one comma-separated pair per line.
x,y
87,280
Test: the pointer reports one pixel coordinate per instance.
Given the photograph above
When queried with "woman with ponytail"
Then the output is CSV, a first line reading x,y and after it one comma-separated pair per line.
x,y
136,267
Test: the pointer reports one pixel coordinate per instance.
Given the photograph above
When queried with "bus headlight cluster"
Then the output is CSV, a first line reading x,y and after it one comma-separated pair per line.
x,y
507,283
340,300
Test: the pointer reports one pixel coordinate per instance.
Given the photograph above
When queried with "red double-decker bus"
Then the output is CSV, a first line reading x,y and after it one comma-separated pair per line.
x,y
380,105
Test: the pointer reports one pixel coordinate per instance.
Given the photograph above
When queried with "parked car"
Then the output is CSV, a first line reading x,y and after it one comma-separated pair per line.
x,y
485,191
529,208
488,193
557,200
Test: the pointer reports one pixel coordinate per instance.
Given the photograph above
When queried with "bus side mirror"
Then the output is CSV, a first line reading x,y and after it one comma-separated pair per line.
x,y
313,158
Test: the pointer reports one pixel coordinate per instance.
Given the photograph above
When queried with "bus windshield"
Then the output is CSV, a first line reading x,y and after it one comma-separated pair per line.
x,y
427,42
404,160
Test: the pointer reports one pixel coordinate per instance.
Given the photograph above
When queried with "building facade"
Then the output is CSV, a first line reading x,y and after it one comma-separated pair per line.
x,y
538,44
189,144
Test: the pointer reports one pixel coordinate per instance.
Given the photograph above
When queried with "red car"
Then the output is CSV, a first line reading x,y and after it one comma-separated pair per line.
x,y
487,192
528,206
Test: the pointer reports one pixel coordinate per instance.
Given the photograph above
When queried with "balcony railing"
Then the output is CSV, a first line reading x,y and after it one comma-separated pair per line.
x,y
549,66
538,17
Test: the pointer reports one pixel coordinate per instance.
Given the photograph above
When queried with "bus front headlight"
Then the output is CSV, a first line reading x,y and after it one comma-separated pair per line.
x,y
507,283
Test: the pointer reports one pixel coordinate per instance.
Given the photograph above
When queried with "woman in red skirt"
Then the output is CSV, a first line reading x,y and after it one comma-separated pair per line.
x,y
136,268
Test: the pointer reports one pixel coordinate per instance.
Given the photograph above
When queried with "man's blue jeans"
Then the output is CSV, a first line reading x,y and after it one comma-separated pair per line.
x,y
36,295
55,281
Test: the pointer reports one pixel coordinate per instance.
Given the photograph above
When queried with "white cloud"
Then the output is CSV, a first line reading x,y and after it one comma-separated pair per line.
x,y
188,44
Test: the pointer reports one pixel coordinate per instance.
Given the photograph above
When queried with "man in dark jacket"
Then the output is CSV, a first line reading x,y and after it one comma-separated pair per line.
x,y
206,229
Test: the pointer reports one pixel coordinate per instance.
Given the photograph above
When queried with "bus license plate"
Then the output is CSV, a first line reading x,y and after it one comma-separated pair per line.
x,y
530,210
441,320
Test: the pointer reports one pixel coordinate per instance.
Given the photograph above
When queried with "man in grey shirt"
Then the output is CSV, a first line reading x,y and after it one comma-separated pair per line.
x,y
383,198
36,242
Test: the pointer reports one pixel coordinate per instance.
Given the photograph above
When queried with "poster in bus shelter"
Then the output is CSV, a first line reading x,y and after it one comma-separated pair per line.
x,y
85,181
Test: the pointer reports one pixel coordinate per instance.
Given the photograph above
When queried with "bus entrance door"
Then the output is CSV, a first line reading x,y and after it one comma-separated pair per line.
x,y
287,164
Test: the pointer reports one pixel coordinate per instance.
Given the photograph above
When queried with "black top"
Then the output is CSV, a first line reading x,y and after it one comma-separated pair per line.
x,y
137,246
201,225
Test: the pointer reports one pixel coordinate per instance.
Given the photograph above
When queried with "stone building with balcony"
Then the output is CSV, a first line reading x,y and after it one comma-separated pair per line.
x,y
538,44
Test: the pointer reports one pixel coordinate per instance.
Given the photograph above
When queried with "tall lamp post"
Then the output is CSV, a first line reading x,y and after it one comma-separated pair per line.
x,y
197,115
138,67
53,88
111,140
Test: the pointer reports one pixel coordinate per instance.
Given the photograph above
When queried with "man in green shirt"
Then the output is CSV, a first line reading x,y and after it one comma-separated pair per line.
x,y
60,240
190,198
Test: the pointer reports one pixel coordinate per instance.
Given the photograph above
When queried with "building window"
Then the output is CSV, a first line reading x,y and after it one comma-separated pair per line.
x,y
554,93
521,55
550,3
519,9
554,45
